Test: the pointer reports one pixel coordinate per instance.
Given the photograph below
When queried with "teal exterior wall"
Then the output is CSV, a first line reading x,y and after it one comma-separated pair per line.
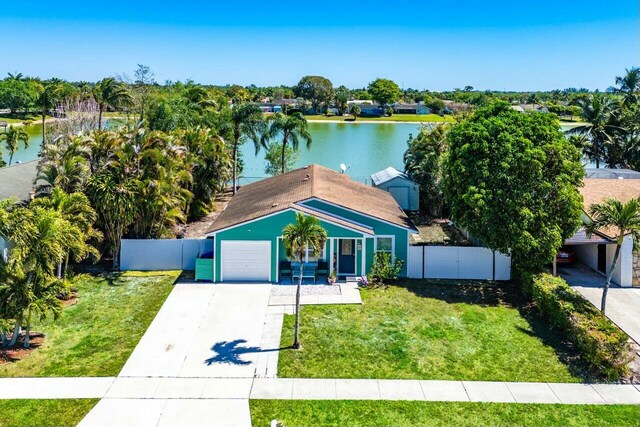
x,y
270,228
381,228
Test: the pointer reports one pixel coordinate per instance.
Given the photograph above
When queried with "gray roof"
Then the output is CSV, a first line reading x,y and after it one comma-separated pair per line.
x,y
16,181
387,175
612,173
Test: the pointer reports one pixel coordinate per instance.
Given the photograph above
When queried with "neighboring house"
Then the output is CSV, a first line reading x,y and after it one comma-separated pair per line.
x,y
405,191
368,110
597,250
16,182
270,107
359,220
518,108
534,107
399,108
451,107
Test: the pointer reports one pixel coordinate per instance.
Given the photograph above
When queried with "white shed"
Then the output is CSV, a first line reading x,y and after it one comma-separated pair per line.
x,y
402,188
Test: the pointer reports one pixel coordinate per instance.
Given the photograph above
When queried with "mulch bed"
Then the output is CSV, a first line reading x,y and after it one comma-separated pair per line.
x,y
18,352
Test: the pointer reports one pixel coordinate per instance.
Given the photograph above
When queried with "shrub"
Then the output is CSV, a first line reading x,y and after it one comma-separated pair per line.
x,y
384,269
604,347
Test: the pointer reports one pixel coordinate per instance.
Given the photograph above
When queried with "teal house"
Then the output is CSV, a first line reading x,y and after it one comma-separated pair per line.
x,y
359,221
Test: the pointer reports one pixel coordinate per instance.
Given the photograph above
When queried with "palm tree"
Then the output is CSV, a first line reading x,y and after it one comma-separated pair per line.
x,y
355,110
76,209
115,204
47,100
624,218
305,233
597,112
12,136
109,92
245,122
291,128
629,85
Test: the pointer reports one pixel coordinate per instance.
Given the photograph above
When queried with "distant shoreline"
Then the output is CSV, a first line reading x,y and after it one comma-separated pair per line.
x,y
385,122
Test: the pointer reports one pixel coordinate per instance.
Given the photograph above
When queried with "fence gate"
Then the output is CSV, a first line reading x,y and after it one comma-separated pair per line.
x,y
162,254
457,262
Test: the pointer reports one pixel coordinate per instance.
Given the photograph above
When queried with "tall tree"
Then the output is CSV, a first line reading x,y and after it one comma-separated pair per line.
x,y
12,137
244,122
47,100
512,181
598,130
384,91
274,158
624,219
629,85
115,204
110,93
316,89
423,163
144,78
76,209
292,129
305,233
342,99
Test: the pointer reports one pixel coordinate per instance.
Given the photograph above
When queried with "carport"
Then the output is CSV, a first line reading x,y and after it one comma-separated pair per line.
x,y
596,252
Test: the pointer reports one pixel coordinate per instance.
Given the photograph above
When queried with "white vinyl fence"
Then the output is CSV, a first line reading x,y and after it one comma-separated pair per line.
x,y
457,262
162,254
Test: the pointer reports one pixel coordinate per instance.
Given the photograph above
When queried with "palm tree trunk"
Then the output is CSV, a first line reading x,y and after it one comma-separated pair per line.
x,y
296,333
99,117
28,330
59,272
10,157
16,333
235,165
603,303
44,129
116,253
284,151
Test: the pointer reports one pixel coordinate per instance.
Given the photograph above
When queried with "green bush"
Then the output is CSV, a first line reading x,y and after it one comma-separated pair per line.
x,y
604,347
384,269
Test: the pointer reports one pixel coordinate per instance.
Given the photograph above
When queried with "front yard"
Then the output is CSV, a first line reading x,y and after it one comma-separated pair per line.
x,y
44,412
428,330
95,336
353,413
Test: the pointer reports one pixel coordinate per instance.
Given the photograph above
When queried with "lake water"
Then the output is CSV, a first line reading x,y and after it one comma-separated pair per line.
x,y
364,147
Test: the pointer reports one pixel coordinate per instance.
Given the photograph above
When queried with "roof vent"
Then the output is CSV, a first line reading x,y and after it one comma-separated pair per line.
x,y
274,205
306,178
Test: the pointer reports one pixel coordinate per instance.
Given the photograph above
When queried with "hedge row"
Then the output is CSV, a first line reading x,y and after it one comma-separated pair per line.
x,y
602,344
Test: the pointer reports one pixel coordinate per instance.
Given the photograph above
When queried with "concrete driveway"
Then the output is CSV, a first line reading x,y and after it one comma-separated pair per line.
x,y
196,363
623,304
203,331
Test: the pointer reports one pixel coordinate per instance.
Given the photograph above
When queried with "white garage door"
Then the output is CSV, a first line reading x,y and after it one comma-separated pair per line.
x,y
246,261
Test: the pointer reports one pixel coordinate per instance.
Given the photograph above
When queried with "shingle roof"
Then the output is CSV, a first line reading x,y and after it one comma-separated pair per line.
x,y
387,175
612,173
597,190
16,181
286,191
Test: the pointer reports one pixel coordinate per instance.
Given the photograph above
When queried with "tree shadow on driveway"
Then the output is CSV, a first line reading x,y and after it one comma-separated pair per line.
x,y
231,352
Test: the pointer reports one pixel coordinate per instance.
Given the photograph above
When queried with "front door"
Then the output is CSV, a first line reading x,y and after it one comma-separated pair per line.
x,y
602,258
346,256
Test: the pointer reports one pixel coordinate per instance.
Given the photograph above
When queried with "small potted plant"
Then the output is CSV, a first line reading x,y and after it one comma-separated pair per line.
x,y
332,278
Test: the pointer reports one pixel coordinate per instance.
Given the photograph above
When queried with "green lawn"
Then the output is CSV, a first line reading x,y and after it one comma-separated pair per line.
x,y
350,413
393,118
427,330
44,412
96,336
21,118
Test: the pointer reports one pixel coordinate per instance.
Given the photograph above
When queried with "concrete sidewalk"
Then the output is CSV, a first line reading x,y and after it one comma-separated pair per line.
x,y
444,391
241,389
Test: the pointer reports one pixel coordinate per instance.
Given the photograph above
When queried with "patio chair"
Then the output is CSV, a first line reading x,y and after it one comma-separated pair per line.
x,y
323,269
308,271
285,270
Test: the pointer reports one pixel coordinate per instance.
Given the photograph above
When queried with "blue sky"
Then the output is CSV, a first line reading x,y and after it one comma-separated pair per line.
x,y
533,45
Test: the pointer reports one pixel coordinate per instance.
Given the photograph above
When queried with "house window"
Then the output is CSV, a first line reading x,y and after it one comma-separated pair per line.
x,y
384,244
311,256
